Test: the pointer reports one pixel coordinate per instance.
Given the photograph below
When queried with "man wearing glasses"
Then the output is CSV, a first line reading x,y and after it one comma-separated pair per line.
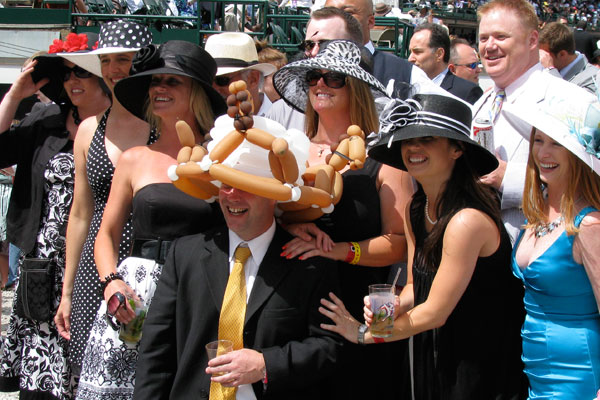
x,y
464,61
237,59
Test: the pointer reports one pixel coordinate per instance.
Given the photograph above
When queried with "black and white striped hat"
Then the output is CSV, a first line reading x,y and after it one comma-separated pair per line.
x,y
427,115
119,36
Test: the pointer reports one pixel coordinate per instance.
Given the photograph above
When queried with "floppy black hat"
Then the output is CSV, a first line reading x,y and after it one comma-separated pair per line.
x,y
51,65
176,57
427,115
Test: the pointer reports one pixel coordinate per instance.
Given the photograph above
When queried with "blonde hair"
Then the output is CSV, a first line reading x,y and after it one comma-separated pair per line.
x,y
199,104
362,109
270,55
522,9
581,178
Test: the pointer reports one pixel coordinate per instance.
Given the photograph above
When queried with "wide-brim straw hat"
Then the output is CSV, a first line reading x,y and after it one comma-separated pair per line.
x,y
235,51
119,36
341,56
428,115
569,115
174,57
51,65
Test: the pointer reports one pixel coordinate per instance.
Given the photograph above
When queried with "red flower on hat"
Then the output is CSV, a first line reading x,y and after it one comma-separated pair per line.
x,y
76,42
57,46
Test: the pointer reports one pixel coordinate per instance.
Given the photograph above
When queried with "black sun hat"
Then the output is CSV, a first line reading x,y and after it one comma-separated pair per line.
x,y
176,57
427,115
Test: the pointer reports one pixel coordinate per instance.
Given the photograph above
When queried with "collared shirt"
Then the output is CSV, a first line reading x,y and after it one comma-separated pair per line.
x,y
440,77
258,247
565,70
265,106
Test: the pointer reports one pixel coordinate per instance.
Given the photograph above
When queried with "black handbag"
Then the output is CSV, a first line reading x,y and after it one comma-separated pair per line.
x,y
35,292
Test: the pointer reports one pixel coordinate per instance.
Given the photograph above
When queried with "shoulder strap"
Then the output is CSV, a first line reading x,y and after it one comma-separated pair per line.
x,y
579,217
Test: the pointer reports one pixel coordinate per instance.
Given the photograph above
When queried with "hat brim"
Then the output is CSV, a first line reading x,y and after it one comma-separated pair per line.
x,y
265,68
132,92
91,61
554,128
387,149
290,81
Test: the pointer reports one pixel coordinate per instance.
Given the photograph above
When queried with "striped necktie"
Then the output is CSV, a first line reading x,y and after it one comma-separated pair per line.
x,y
497,105
233,313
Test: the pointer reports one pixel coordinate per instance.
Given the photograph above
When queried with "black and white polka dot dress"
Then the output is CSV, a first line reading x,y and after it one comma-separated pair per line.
x,y
86,290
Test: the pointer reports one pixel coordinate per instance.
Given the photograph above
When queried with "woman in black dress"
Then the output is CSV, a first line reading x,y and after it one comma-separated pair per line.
x,y
462,304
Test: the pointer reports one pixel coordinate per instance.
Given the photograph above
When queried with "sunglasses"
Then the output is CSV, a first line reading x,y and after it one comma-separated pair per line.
x,y
309,45
78,71
115,302
472,65
334,80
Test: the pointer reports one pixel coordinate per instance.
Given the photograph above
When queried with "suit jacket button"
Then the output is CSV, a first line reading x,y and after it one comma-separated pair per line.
x,y
203,394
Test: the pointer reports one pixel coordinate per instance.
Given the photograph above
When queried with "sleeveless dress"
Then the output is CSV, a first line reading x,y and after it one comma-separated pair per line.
x,y
86,288
561,333
160,211
34,355
475,354
358,217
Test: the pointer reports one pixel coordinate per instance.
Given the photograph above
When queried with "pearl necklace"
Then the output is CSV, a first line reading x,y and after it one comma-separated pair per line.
x,y
542,229
432,222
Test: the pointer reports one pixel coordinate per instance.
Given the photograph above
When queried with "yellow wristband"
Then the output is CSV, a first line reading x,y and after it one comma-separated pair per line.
x,y
356,253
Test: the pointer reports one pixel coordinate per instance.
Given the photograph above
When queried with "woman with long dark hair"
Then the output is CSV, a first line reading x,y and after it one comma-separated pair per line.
x,y
461,303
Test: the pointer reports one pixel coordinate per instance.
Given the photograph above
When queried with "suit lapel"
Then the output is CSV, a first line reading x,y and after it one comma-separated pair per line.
x,y
216,265
272,270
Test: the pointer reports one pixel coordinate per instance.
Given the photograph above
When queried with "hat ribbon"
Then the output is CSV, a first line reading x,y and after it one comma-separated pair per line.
x,y
234,62
589,138
397,114
441,121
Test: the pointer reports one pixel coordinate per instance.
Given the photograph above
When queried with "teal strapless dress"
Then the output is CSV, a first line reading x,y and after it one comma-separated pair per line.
x,y
561,333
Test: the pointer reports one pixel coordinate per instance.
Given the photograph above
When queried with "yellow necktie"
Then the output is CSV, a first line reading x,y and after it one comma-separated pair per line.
x,y
233,313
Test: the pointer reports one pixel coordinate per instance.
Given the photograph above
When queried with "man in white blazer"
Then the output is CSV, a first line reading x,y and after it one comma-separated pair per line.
x,y
508,45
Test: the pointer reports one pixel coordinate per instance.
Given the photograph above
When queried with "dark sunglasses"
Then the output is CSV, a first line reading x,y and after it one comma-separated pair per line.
x,y
78,71
115,302
472,65
308,45
222,80
334,80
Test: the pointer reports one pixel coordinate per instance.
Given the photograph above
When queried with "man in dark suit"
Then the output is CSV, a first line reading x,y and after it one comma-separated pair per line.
x,y
430,50
285,354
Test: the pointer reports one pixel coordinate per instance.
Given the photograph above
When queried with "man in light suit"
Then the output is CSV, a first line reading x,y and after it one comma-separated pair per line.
x,y
430,51
508,46
557,51
285,354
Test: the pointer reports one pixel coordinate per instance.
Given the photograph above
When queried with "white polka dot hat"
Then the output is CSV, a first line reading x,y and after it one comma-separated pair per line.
x,y
115,37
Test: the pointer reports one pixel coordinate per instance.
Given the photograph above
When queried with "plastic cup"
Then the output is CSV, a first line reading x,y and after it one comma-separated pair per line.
x,y
218,348
382,298
132,332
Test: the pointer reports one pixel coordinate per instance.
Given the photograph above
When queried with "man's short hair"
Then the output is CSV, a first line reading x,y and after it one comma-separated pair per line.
x,y
522,8
353,27
557,37
453,53
439,38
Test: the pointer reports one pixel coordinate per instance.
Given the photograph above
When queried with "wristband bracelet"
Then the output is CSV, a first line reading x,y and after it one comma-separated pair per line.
x,y
113,276
356,253
378,340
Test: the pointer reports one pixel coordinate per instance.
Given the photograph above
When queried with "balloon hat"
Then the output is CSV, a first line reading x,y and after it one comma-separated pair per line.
x,y
260,156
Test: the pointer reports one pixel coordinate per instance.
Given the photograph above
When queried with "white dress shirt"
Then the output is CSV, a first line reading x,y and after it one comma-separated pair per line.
x,y
258,247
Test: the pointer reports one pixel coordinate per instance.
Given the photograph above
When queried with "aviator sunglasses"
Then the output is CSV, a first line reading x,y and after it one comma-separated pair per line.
x,y
78,71
334,80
